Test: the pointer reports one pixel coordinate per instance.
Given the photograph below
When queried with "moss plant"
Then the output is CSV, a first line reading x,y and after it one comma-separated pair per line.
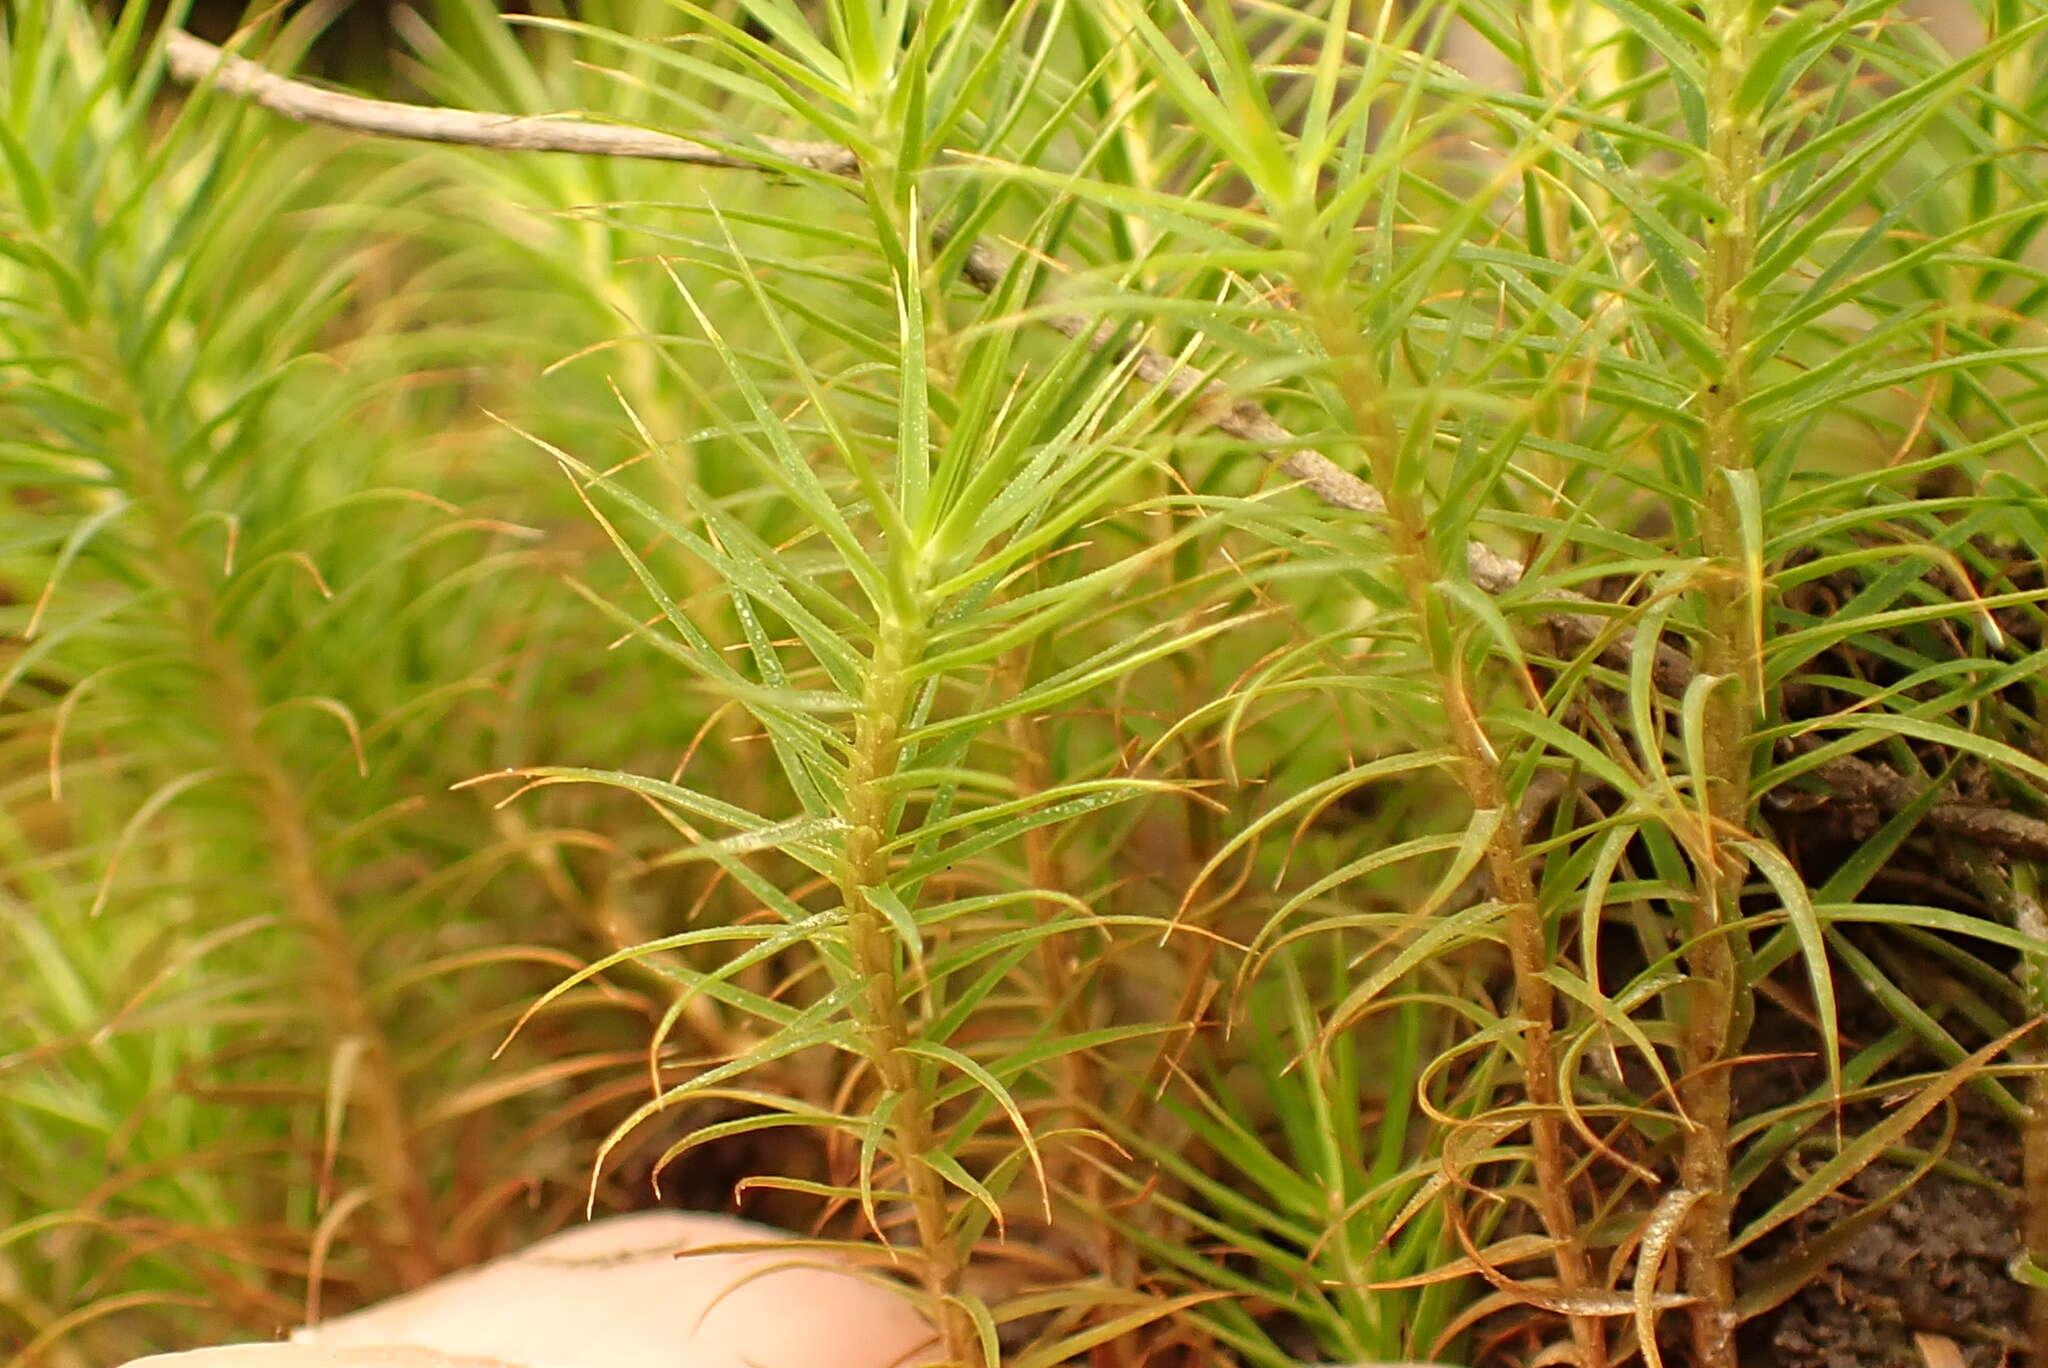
x,y
1274,683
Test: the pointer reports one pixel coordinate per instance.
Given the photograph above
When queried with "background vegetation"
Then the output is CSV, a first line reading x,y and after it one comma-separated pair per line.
x,y
1312,682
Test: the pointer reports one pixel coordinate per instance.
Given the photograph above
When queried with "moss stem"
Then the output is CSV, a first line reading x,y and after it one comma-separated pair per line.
x,y
402,1207
884,1022
1729,655
1358,380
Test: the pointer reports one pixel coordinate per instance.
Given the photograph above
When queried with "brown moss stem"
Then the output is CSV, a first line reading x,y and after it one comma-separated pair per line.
x,y
1358,380
402,1207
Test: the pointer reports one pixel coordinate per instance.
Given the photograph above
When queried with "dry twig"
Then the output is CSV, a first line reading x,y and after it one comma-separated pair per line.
x,y
196,61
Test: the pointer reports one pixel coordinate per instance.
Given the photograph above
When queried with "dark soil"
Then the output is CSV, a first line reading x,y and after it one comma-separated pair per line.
x,y
1925,1284
1927,1281
1933,1264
